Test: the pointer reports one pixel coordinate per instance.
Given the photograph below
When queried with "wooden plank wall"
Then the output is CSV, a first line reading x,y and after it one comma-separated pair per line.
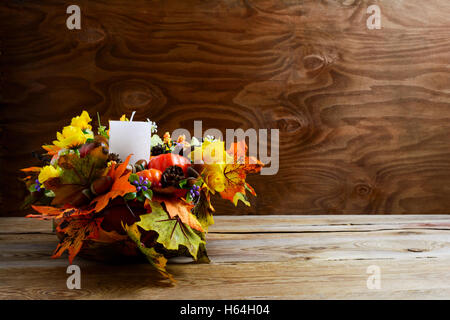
x,y
363,114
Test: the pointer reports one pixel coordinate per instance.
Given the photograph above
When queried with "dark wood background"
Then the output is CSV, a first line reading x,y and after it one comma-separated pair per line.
x,y
363,114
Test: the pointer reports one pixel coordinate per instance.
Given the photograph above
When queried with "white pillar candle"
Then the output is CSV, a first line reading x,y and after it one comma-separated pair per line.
x,y
130,137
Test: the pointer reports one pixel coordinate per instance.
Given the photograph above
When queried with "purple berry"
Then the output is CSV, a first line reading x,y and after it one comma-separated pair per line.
x,y
197,193
138,189
144,188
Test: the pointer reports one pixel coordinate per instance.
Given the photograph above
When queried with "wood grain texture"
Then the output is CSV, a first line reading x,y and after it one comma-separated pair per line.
x,y
363,114
287,257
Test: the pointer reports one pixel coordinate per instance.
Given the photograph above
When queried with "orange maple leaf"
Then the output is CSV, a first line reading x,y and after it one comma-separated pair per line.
x,y
47,213
236,173
177,207
75,231
120,187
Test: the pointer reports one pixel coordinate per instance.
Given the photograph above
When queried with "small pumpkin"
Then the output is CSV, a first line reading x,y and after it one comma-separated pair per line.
x,y
163,161
153,175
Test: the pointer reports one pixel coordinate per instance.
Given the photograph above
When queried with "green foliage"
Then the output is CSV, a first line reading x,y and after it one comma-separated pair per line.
x,y
32,187
77,174
155,140
156,259
80,171
240,196
171,231
49,193
134,178
184,184
202,256
142,194
102,129
148,194
130,196
203,211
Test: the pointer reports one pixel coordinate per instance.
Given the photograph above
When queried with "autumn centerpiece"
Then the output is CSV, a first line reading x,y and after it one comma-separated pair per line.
x,y
156,208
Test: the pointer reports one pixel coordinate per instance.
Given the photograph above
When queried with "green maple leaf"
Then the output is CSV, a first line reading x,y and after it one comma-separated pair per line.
x,y
202,255
77,175
156,259
171,231
240,196
78,170
203,211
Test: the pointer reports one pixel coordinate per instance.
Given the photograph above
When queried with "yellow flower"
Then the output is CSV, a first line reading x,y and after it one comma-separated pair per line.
x,y
214,159
71,137
214,177
48,172
123,118
210,153
82,121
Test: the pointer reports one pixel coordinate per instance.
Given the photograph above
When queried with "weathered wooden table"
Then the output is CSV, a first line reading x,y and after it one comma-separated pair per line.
x,y
252,257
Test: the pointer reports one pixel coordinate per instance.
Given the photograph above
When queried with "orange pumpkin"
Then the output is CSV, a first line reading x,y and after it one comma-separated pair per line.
x,y
153,175
162,161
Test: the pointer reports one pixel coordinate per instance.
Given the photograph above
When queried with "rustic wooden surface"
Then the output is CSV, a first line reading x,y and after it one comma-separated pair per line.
x,y
363,114
264,257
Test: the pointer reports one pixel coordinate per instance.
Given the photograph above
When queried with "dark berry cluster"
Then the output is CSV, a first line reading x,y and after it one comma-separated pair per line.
x,y
142,184
38,186
195,191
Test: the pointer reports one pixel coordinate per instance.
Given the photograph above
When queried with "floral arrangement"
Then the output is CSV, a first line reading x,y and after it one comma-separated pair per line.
x,y
157,208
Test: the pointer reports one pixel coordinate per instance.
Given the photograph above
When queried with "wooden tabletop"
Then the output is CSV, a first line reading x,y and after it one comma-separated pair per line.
x,y
252,257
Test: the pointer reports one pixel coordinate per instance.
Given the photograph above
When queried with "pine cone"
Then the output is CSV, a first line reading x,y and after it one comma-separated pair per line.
x,y
157,150
114,157
172,176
